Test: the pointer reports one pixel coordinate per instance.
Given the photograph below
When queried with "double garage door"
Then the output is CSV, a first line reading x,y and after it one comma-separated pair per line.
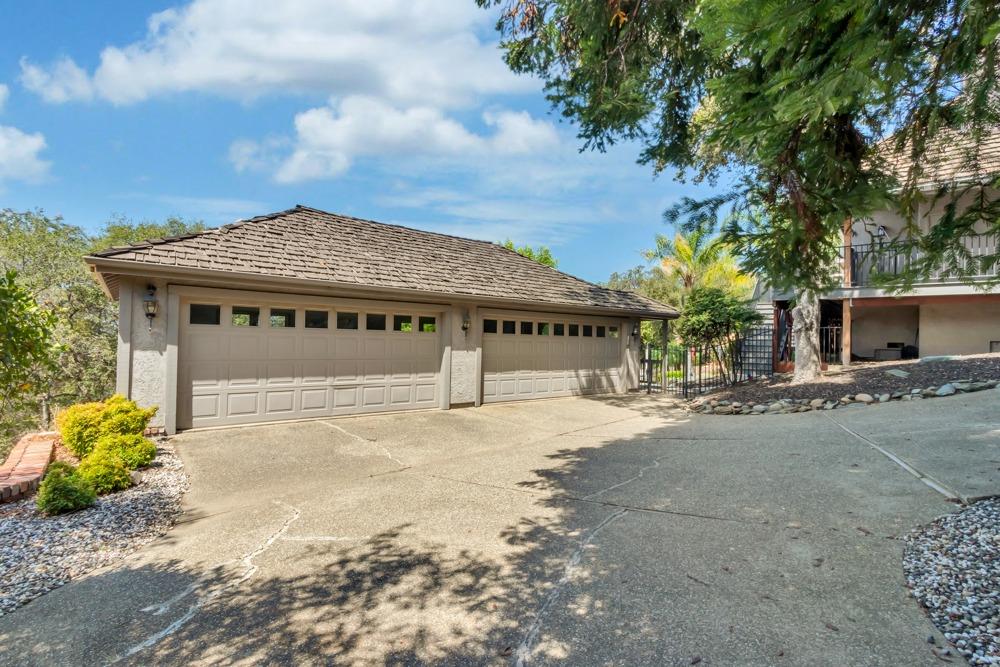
x,y
531,355
248,357
248,360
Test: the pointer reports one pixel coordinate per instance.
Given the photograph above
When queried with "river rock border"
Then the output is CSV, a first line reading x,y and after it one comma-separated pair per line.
x,y
710,406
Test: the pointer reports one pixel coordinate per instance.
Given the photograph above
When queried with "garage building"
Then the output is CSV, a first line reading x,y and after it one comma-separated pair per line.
x,y
303,314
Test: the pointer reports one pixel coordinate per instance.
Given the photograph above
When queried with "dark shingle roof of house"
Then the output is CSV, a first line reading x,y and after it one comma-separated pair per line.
x,y
950,157
308,244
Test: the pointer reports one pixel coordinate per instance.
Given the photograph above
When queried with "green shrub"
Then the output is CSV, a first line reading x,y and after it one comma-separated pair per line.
x,y
135,451
64,490
106,472
123,417
82,425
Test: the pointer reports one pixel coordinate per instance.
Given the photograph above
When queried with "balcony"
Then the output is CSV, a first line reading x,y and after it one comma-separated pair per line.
x,y
892,259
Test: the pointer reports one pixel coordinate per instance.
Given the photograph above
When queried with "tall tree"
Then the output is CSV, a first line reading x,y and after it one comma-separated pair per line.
x,y
789,101
541,254
47,255
27,353
698,259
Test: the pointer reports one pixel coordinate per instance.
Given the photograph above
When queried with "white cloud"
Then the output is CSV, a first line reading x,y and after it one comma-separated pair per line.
x,y
19,159
4,93
533,220
62,82
328,139
405,51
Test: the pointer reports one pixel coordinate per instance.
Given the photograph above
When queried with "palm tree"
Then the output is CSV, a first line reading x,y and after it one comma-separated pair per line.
x,y
697,259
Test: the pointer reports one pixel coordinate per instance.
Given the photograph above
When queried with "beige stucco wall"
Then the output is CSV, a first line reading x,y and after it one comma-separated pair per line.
x,y
928,214
464,349
144,355
958,328
145,349
874,327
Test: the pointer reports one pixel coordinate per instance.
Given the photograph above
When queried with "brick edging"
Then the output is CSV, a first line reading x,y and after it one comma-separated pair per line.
x,y
26,464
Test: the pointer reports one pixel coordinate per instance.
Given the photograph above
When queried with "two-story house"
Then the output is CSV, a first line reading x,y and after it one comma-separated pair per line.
x,y
942,314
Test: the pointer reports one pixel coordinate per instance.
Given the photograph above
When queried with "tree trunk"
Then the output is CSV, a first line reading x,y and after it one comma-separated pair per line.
x,y
805,334
46,413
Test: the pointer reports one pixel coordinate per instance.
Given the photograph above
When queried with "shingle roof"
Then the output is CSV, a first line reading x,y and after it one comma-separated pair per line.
x,y
309,244
950,157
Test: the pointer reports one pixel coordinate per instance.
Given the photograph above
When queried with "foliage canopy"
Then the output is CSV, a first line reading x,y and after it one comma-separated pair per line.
x,y
541,254
794,105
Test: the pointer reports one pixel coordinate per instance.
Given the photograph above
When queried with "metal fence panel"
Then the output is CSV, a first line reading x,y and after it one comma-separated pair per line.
x,y
689,371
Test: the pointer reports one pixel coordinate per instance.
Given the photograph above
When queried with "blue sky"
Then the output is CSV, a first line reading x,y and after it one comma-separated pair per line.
x,y
396,110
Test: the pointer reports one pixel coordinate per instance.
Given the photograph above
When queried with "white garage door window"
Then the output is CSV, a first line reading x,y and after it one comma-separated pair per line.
x,y
546,355
249,361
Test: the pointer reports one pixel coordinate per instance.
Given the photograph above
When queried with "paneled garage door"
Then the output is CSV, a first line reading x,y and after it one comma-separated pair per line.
x,y
244,361
546,355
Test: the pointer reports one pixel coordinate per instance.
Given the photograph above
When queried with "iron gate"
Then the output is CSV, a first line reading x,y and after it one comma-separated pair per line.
x,y
690,370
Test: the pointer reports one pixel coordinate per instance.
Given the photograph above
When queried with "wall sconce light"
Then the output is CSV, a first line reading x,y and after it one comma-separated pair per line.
x,y
635,329
149,304
466,323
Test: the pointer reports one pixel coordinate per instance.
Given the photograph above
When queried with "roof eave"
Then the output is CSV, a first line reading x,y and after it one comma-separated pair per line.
x,y
101,265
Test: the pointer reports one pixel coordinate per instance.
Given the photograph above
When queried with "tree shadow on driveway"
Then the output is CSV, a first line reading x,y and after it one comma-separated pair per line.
x,y
634,549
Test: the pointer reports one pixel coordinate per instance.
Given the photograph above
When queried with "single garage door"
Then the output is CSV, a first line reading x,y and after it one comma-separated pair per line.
x,y
531,355
243,360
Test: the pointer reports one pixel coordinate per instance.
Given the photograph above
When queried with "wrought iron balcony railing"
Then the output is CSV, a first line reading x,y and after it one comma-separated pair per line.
x,y
894,259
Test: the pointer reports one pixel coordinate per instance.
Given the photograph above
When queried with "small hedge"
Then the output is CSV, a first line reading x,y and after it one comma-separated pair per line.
x,y
105,471
64,490
135,451
82,425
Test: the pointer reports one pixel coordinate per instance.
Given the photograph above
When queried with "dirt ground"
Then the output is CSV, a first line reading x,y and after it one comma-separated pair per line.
x,y
869,377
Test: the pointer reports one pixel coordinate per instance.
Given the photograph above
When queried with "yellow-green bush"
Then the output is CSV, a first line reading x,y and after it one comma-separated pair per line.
x,y
64,490
135,451
82,425
124,417
105,471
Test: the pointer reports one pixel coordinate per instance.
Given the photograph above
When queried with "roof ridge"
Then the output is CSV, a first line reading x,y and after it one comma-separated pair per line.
x,y
146,243
392,224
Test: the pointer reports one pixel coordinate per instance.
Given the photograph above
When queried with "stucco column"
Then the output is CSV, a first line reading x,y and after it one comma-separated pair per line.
x,y
465,361
148,347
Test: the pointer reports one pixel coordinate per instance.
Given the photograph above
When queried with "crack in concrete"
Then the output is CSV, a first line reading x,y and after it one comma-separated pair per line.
x,y
202,599
579,499
948,493
385,450
531,636
323,538
642,471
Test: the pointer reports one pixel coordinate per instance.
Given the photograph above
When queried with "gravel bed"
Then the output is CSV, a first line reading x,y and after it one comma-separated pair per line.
x,y
865,377
953,569
39,553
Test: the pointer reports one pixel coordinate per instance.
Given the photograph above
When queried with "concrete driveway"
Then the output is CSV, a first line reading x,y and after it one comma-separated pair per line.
x,y
576,531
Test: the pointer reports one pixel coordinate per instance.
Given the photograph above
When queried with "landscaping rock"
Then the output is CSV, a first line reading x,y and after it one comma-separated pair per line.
x,y
884,398
952,568
895,372
945,390
816,403
864,398
759,408
931,360
776,407
39,554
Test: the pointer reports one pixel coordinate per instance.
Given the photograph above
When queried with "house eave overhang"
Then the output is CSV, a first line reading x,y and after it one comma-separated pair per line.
x,y
108,269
